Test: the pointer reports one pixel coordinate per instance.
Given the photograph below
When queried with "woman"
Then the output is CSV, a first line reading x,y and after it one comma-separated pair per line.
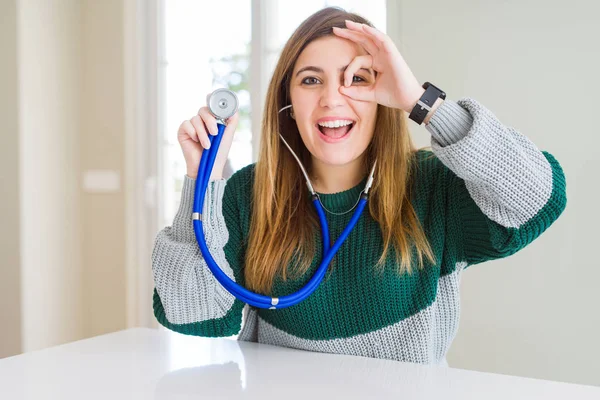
x,y
483,192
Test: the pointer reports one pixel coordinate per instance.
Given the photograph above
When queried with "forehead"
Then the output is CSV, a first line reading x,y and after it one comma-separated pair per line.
x,y
329,52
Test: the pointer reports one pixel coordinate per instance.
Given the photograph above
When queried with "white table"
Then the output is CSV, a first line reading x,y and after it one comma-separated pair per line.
x,y
155,364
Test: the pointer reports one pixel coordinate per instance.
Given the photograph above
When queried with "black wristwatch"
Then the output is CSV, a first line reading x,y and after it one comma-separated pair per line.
x,y
423,106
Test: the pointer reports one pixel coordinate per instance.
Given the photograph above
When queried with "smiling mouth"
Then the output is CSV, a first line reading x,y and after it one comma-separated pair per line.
x,y
335,133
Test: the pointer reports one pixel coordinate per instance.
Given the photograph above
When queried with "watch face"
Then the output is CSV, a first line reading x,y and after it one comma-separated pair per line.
x,y
442,94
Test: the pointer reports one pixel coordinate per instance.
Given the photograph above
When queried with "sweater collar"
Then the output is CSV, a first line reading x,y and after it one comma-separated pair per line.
x,y
342,201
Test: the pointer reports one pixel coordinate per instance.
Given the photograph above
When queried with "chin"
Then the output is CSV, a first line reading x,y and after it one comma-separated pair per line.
x,y
336,158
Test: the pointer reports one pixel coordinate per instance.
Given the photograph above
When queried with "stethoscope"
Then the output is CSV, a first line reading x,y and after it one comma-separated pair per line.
x,y
223,104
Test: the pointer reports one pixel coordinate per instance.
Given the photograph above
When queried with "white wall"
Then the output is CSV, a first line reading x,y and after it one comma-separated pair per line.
x,y
62,249
49,84
535,65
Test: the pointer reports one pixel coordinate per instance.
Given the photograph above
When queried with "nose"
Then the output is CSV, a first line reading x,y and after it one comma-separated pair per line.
x,y
331,96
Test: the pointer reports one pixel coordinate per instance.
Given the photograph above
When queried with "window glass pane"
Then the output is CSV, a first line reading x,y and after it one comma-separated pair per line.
x,y
203,53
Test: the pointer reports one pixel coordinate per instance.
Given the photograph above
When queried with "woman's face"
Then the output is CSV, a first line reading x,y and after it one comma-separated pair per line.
x,y
335,128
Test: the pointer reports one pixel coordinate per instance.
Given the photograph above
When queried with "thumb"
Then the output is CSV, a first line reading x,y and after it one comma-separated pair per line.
x,y
360,93
226,141
230,128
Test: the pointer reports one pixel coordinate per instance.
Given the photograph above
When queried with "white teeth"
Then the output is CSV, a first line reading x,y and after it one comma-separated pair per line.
x,y
335,124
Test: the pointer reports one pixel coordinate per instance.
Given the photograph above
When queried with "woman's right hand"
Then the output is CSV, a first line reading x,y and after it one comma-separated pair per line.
x,y
193,139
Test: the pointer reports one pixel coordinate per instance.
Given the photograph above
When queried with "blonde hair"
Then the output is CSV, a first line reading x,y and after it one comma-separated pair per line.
x,y
284,223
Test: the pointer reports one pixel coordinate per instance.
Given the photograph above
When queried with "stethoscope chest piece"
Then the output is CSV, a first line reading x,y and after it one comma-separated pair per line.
x,y
222,103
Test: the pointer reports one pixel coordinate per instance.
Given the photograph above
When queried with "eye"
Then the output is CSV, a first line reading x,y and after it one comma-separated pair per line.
x,y
311,78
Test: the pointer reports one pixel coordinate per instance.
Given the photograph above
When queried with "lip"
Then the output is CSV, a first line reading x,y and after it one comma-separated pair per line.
x,y
328,139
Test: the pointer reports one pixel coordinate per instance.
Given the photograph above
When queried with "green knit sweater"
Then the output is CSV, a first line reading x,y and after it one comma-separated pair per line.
x,y
484,193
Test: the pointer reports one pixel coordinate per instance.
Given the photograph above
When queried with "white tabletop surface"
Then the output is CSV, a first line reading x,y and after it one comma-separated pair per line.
x,y
156,364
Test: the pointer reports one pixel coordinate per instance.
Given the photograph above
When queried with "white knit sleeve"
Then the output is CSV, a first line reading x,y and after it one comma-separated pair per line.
x,y
188,291
507,176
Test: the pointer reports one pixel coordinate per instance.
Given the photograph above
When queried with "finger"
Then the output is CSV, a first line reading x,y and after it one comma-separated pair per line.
x,y
358,37
360,93
200,131
382,40
209,120
186,129
364,61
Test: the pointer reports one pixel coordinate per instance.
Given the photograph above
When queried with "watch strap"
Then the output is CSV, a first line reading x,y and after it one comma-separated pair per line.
x,y
424,104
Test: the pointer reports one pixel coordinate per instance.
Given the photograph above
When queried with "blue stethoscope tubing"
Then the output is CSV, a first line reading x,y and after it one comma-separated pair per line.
x,y
257,300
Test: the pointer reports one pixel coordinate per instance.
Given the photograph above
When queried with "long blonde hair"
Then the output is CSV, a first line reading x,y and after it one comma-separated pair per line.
x,y
284,222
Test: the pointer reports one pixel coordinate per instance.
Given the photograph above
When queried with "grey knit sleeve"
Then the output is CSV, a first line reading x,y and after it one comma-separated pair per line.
x,y
507,176
188,291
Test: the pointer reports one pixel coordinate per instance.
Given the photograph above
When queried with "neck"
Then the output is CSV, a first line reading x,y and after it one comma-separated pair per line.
x,y
336,178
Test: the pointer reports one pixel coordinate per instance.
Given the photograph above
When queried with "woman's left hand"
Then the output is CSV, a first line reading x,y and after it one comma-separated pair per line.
x,y
395,85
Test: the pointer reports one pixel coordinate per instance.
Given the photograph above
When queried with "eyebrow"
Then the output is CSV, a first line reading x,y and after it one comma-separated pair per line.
x,y
320,70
